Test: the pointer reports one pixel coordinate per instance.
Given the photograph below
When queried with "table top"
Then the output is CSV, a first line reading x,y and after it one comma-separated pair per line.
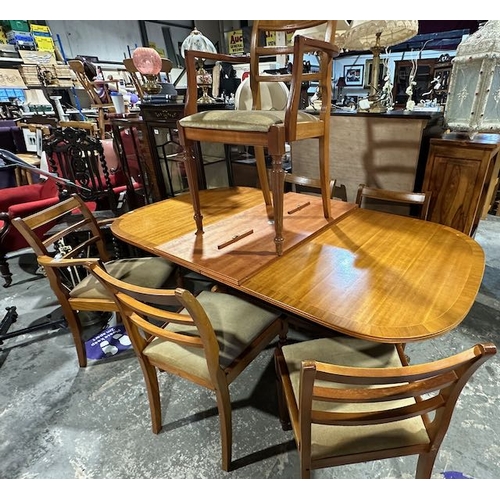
x,y
372,275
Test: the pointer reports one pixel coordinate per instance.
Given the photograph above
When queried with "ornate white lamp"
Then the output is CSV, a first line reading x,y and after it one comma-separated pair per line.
x,y
377,36
197,41
473,103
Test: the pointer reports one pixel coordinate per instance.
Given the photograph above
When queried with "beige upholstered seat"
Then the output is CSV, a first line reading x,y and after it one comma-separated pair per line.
x,y
351,401
75,289
209,339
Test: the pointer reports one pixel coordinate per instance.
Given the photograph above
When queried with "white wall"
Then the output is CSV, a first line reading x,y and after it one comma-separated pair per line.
x,y
111,40
107,40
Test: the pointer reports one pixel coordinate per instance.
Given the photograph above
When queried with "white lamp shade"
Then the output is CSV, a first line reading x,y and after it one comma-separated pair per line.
x,y
362,34
197,41
473,103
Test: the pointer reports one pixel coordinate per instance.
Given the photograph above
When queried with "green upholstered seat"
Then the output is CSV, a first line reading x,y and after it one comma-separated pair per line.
x,y
332,440
236,323
150,272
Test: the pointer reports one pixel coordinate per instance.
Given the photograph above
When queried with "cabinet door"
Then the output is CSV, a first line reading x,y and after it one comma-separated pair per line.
x,y
456,175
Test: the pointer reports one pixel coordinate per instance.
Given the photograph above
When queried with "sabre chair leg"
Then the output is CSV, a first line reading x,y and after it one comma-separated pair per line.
x,y
226,426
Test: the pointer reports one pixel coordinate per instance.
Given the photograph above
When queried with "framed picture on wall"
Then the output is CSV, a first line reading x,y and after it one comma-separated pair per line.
x,y
353,75
368,74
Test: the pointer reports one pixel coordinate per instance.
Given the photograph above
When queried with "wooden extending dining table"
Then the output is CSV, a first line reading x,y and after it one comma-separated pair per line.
x,y
372,275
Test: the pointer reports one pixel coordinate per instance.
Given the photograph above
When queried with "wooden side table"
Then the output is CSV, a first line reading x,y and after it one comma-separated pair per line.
x,y
462,175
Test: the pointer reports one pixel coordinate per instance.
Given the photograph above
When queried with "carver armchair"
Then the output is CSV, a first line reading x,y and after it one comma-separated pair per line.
x,y
266,129
352,401
208,339
77,236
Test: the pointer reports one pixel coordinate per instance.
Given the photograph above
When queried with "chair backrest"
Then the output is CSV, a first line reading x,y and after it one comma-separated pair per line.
x,y
79,236
91,127
300,184
79,69
145,310
334,395
135,76
301,74
77,156
394,199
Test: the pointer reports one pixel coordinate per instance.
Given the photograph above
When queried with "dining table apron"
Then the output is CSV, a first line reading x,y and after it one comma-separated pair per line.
x,y
372,275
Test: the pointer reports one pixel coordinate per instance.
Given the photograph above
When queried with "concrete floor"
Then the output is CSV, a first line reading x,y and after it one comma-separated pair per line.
x,y
60,421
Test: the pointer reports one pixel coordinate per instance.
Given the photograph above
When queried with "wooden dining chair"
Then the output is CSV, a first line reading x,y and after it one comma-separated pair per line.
x,y
103,104
93,167
301,184
77,234
208,339
403,201
351,401
266,129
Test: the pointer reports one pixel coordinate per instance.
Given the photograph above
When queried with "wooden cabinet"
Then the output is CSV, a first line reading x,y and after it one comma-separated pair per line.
x,y
462,175
167,153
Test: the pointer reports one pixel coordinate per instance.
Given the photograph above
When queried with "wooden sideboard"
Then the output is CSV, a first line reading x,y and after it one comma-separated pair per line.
x,y
462,175
386,150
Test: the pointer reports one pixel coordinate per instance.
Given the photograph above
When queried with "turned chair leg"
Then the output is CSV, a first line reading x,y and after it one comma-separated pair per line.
x,y
5,271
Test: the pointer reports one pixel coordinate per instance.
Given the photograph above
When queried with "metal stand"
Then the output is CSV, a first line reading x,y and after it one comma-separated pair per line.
x,y
11,317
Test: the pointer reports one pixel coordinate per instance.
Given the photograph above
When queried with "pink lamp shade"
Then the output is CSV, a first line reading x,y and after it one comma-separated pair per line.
x,y
147,61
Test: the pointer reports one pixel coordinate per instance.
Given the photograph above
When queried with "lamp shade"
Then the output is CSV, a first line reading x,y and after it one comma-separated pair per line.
x,y
473,103
147,61
318,32
362,35
197,41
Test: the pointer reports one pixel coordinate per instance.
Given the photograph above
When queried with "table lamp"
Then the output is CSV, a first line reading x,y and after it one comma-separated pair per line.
x,y
377,36
197,41
473,103
148,63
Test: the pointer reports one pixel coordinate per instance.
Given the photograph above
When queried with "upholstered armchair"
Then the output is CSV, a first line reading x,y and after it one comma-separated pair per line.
x,y
21,201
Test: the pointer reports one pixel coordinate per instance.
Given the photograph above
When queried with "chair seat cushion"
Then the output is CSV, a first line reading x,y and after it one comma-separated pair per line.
x,y
150,272
236,323
330,440
242,121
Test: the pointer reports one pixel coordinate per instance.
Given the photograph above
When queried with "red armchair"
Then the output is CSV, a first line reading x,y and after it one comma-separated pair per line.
x,y
19,202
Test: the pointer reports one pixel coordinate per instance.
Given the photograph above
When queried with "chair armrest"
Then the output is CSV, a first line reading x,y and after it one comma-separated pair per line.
x,y
191,56
106,222
45,260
